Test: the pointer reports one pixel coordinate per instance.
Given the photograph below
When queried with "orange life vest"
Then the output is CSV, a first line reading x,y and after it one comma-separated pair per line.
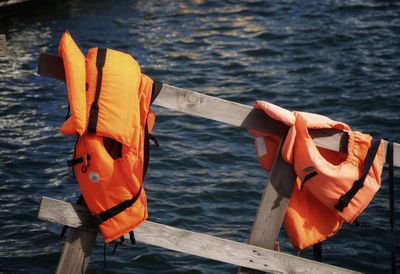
x,y
110,111
331,187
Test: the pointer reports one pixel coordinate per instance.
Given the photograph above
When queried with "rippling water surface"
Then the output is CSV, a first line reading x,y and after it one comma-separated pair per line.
x,y
337,58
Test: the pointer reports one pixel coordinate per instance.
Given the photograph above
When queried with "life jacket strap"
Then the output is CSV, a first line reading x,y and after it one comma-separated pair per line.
x,y
154,139
306,178
115,210
78,160
94,109
357,185
132,237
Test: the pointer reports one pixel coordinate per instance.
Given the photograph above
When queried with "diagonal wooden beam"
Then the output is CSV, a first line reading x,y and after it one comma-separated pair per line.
x,y
202,245
273,206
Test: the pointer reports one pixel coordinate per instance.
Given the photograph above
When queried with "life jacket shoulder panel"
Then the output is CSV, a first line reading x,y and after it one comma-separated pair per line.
x,y
112,96
75,76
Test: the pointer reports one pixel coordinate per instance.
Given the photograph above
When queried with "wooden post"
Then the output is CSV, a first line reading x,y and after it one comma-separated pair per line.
x,y
77,251
273,206
3,48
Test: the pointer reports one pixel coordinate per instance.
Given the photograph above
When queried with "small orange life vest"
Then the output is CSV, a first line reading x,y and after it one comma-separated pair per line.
x,y
331,187
110,112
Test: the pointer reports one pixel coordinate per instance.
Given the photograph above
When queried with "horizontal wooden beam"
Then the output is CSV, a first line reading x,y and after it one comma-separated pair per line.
x,y
201,105
3,48
202,245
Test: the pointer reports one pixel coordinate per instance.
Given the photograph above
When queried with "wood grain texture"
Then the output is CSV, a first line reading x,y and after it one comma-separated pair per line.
x,y
3,47
77,251
273,205
225,111
80,240
193,243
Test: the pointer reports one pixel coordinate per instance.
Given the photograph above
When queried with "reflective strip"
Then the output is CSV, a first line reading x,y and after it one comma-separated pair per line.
x,y
261,147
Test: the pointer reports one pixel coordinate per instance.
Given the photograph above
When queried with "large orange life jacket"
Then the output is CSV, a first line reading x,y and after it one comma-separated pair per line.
x,y
331,187
110,102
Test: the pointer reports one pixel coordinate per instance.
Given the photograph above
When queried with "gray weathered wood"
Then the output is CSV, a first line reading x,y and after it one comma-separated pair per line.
x,y
77,251
3,48
197,104
225,111
80,240
193,243
273,205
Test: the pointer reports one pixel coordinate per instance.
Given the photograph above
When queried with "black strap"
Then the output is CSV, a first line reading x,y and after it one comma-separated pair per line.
x,y
117,243
146,150
68,112
306,178
115,210
94,109
157,86
132,237
154,139
77,160
389,157
357,185
147,136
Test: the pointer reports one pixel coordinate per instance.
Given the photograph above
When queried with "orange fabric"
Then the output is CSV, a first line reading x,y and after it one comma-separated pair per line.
x,y
307,220
118,95
311,216
145,97
75,76
335,179
111,171
267,144
108,182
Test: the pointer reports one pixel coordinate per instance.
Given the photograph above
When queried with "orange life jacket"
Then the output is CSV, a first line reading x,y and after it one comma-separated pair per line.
x,y
331,187
110,111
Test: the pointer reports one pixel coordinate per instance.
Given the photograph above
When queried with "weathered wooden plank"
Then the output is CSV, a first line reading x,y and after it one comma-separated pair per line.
x,y
197,104
3,47
232,113
77,251
193,243
272,208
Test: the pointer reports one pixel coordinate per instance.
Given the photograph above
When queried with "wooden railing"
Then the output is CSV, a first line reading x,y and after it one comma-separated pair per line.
x,y
3,48
255,257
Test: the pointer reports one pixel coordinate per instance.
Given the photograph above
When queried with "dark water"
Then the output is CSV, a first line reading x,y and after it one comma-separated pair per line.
x,y
337,58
